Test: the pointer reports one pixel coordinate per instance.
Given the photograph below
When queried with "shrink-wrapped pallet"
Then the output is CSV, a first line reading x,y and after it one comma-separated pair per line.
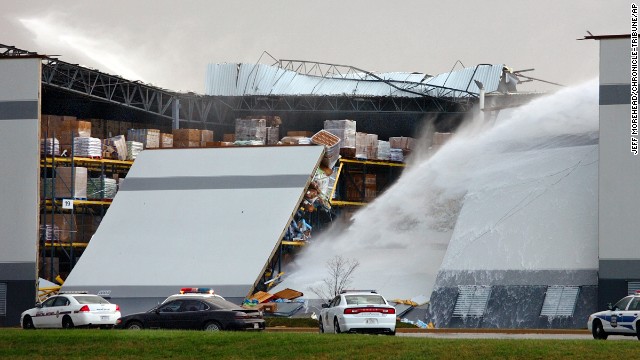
x,y
166,140
50,146
366,145
115,148
273,135
344,129
101,188
383,150
150,138
396,155
251,130
133,149
87,147
71,182
401,142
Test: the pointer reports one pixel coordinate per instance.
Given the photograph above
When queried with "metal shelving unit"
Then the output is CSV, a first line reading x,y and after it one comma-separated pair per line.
x,y
68,210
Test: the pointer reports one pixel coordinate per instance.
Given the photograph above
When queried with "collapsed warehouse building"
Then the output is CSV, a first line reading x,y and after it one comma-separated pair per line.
x,y
303,94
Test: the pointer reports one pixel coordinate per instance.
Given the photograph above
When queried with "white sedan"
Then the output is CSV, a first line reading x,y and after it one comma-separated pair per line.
x,y
623,318
70,310
358,311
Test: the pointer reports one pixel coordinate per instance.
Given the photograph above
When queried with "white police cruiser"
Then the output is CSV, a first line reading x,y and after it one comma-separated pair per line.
x,y
623,318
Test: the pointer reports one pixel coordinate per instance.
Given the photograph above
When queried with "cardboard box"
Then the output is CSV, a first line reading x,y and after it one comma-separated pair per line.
x,y
362,182
185,144
112,128
229,137
63,226
150,138
186,135
63,185
166,140
97,128
206,135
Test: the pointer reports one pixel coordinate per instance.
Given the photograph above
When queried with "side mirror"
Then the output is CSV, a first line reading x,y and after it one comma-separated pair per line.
x,y
39,305
157,311
324,306
609,307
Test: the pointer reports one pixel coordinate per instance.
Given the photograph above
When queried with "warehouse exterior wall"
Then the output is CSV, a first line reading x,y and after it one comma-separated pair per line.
x,y
619,171
19,161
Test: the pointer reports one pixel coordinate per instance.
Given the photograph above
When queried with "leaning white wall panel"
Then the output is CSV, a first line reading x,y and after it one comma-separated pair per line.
x,y
196,217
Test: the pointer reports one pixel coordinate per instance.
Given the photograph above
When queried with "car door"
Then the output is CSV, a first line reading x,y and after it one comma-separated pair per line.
x,y
60,308
615,317
630,315
331,314
166,316
40,320
190,315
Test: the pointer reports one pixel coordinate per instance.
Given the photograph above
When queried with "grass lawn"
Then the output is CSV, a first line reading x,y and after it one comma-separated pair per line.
x,y
154,344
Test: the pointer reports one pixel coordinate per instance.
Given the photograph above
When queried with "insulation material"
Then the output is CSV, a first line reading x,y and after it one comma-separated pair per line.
x,y
71,182
50,146
150,138
133,149
366,145
331,146
344,129
383,150
101,188
251,130
87,147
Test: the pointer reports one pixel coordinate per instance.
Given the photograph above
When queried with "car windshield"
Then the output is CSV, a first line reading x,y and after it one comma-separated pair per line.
x,y
364,300
622,304
87,299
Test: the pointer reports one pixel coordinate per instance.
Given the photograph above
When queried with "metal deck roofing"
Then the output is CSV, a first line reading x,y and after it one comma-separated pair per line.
x,y
233,79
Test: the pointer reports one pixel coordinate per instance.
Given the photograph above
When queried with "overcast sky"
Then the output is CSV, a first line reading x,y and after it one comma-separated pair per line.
x,y
170,43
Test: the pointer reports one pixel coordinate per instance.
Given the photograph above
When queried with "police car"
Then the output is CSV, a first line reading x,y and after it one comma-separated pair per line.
x,y
358,311
68,310
623,318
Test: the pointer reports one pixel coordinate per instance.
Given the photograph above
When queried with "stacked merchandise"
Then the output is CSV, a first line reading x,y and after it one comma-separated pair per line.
x,y
50,232
273,135
71,182
383,150
87,147
253,130
46,188
405,144
396,155
50,146
150,138
133,149
360,181
166,140
206,136
344,129
186,138
86,226
366,145
115,148
331,149
101,188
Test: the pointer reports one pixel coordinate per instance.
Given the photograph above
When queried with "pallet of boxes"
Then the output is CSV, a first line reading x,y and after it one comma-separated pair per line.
x,y
346,131
400,148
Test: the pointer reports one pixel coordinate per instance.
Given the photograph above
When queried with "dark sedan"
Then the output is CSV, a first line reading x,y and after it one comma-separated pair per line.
x,y
195,313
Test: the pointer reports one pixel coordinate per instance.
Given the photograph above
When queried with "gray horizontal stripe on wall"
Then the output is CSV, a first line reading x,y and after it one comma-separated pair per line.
x,y
17,271
619,269
214,182
162,291
18,110
615,94
450,278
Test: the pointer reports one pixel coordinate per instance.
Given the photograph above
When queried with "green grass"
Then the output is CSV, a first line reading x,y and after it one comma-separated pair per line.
x,y
154,344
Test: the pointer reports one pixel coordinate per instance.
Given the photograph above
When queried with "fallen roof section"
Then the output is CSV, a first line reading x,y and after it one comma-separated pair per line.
x,y
209,217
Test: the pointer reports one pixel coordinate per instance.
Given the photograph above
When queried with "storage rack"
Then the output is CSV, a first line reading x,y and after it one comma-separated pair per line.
x,y
68,252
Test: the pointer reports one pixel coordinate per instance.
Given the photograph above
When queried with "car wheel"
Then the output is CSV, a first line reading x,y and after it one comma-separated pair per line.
x,y
27,323
320,326
212,326
392,333
67,323
598,331
106,327
134,325
336,326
